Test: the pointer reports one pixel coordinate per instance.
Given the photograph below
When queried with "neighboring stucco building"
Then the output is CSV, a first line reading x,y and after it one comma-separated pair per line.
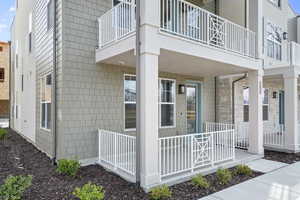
x,y
4,79
74,72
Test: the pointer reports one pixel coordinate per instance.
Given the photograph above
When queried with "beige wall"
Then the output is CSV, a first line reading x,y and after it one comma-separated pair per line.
x,y
4,63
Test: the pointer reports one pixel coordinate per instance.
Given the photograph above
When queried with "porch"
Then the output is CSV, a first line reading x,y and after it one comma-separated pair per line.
x,y
180,157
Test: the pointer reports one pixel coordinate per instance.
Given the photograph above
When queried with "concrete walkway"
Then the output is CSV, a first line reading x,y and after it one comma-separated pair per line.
x,y
281,184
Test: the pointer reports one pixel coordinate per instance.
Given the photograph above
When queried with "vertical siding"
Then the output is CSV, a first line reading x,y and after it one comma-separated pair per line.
x,y
44,62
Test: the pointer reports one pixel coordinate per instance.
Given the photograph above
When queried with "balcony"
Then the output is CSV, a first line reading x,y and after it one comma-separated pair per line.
x,y
183,19
185,33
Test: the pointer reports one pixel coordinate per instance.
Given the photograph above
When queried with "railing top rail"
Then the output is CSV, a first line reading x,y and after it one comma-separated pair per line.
x,y
222,18
114,133
196,134
116,7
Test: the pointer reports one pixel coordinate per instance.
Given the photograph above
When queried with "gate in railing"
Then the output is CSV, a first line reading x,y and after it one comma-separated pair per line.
x,y
184,154
117,151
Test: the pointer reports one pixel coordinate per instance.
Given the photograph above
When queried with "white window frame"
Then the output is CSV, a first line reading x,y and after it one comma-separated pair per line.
x,y
128,102
276,3
167,103
50,10
159,103
246,104
44,78
268,104
30,32
272,40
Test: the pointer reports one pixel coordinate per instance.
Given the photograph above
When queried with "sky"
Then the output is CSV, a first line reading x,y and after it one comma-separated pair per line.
x,y
7,11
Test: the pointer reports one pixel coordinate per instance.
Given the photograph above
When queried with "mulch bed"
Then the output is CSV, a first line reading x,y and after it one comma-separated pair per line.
x,y
18,157
288,158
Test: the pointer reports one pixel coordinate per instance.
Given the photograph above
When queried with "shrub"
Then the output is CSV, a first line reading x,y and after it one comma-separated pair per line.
x,y
68,167
243,170
161,192
224,176
200,181
3,133
14,187
89,192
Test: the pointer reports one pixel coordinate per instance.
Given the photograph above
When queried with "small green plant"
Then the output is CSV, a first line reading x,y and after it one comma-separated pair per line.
x,y
224,176
14,187
68,167
243,170
3,133
161,192
200,182
89,192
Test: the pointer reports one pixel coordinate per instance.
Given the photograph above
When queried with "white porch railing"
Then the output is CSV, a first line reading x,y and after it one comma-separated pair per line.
x,y
118,151
274,135
192,22
187,153
117,23
242,135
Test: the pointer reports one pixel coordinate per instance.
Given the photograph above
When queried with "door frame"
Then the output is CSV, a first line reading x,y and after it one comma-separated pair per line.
x,y
199,105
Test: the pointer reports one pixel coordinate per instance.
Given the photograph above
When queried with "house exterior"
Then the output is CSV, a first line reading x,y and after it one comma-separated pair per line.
x,y
4,79
74,92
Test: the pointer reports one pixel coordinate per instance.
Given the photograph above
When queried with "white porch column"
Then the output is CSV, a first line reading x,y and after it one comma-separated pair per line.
x,y
255,112
291,110
148,74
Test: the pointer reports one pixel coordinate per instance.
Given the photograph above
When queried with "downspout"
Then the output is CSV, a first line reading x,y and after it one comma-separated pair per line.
x,y
216,99
138,95
233,94
54,88
9,85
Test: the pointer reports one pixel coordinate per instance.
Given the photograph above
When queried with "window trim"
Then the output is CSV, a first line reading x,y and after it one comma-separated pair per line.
x,y
268,105
159,104
50,6
44,77
273,41
164,103
277,5
2,69
248,104
124,104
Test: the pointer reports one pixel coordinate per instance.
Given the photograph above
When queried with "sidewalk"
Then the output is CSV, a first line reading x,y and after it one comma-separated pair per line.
x,y
282,184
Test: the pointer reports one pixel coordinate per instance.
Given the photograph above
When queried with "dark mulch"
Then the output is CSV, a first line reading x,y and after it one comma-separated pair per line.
x,y
288,158
18,157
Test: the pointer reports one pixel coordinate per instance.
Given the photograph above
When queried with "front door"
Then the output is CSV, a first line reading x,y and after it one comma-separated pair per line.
x,y
192,108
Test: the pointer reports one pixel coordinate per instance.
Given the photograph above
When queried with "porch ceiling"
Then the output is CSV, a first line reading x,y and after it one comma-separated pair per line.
x,y
174,62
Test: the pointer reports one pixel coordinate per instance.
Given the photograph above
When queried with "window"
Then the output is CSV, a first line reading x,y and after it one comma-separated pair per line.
x,y
1,48
130,102
265,105
2,75
276,2
167,103
50,17
30,33
46,100
265,101
246,104
22,82
274,41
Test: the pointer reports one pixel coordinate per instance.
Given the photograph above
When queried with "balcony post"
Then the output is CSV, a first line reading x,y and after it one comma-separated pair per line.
x,y
255,112
291,110
147,99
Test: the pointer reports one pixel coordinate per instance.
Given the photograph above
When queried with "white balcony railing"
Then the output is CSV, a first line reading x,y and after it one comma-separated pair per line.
x,y
117,23
192,22
183,19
